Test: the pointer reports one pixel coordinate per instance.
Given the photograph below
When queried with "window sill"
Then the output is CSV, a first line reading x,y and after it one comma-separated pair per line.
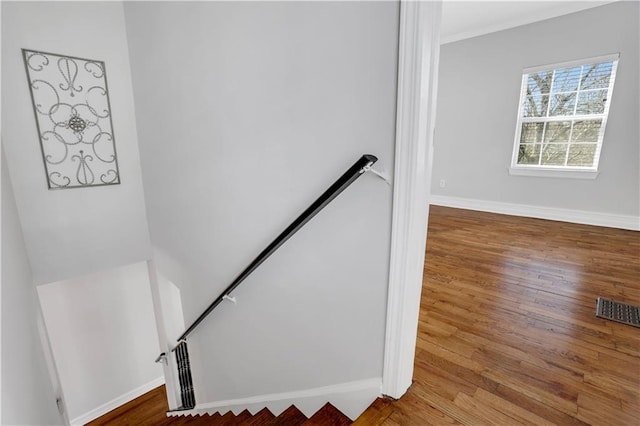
x,y
553,173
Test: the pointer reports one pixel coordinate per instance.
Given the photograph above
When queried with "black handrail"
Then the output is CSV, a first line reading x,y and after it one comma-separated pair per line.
x,y
354,172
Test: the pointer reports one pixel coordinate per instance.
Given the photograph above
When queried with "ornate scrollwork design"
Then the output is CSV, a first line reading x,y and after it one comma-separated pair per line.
x,y
104,177
84,174
36,85
98,71
37,55
54,176
102,92
96,140
71,106
49,157
69,70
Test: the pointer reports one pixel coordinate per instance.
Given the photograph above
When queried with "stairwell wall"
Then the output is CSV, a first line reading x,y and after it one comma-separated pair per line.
x,y
101,324
103,338
74,231
28,397
246,113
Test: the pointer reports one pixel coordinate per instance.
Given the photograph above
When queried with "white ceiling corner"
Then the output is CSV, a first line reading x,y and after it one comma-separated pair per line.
x,y
472,18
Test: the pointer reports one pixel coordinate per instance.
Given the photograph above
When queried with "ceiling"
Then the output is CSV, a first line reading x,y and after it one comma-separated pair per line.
x,y
466,19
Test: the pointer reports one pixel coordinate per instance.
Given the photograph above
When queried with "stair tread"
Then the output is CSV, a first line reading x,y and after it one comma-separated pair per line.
x,y
227,419
151,408
244,416
289,417
261,418
328,415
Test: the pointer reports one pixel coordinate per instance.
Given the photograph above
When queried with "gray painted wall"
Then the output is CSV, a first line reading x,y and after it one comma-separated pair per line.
x,y
246,113
75,231
103,336
478,96
27,393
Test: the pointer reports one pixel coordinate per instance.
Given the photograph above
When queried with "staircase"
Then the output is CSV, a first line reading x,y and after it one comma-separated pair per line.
x,y
351,398
327,415
150,409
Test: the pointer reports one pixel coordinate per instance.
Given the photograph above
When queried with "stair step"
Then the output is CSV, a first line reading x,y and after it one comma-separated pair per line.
x,y
328,415
261,418
244,417
289,417
150,410
228,419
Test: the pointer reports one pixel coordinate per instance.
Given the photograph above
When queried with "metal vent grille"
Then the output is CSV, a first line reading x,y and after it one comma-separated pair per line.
x,y
184,377
619,312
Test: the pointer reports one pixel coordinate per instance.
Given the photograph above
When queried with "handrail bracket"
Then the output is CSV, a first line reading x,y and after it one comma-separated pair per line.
x,y
382,175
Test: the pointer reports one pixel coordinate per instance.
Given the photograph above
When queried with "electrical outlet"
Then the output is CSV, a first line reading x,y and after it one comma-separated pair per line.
x,y
443,183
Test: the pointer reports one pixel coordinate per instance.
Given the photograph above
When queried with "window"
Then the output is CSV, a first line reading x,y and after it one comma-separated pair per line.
x,y
562,116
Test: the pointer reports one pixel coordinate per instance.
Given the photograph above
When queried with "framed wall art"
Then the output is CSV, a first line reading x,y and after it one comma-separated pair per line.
x,y
71,105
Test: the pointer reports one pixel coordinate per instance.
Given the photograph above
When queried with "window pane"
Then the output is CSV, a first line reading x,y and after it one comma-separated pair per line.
x,y
586,131
554,154
562,114
562,104
596,76
582,155
539,83
531,132
566,80
529,154
557,131
591,102
536,106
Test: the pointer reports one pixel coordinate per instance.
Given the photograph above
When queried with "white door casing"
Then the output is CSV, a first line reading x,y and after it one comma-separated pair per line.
x,y
419,48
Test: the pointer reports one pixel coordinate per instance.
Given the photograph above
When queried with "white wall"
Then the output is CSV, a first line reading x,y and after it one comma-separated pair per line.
x,y
27,393
77,231
246,113
171,302
103,335
478,97
168,308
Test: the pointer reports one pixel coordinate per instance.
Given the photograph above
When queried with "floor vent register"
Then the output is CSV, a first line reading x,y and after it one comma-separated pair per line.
x,y
617,311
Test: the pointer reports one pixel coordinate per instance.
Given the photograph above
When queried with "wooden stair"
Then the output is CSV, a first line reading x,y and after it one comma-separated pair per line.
x,y
150,409
326,416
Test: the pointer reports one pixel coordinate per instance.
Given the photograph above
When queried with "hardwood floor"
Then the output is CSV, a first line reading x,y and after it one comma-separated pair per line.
x,y
507,332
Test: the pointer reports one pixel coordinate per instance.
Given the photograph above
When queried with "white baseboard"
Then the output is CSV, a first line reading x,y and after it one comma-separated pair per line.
x,y
350,398
115,403
550,213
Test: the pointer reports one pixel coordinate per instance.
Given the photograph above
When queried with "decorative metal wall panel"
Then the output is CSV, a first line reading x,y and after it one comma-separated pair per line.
x,y
73,116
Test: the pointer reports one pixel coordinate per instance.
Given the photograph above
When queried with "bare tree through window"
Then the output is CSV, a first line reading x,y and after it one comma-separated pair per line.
x,y
562,115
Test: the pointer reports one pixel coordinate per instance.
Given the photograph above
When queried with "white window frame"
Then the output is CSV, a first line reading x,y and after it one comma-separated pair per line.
x,y
562,171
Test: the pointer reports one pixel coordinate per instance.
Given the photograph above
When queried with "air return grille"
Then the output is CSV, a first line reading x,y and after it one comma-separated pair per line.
x,y
616,311
184,376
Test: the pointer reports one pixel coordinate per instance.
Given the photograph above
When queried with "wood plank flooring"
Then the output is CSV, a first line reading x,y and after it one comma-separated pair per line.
x,y
507,332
